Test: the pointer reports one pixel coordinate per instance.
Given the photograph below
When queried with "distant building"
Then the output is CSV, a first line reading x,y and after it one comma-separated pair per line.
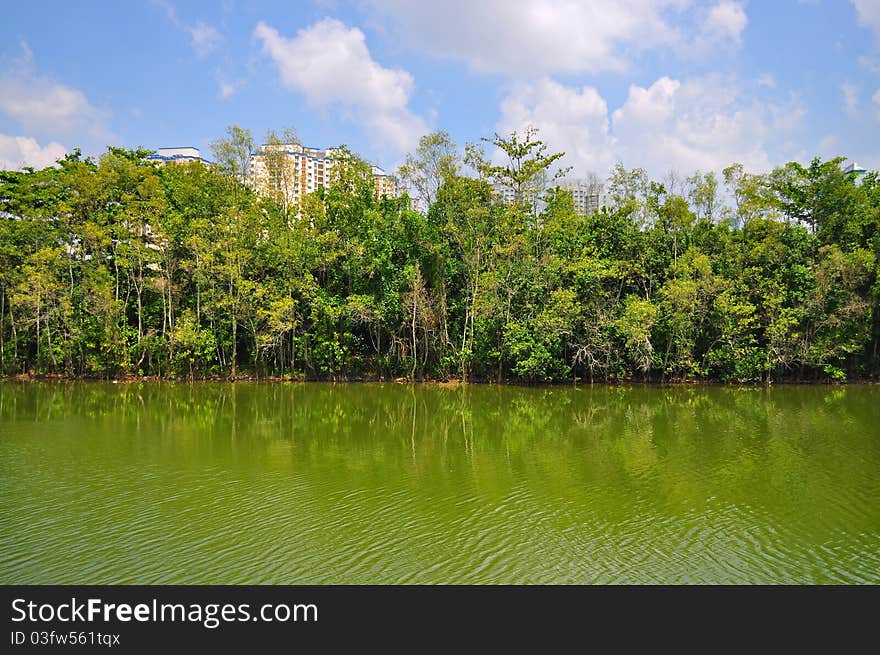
x,y
292,171
504,193
587,197
854,172
384,184
182,155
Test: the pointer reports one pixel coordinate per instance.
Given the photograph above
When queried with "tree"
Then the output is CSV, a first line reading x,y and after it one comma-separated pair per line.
x,y
527,170
751,195
702,192
639,316
629,191
232,155
435,160
280,167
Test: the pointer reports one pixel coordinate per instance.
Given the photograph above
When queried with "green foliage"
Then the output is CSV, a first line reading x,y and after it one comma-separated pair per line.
x,y
116,267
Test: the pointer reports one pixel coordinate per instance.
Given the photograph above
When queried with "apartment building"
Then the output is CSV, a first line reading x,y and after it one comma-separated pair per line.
x,y
182,155
588,197
291,171
504,193
384,184
855,172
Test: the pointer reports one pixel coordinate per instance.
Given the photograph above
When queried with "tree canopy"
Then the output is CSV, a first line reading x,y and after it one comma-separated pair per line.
x,y
115,267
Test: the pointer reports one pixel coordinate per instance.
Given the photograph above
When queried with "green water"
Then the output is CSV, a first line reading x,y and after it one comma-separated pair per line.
x,y
314,483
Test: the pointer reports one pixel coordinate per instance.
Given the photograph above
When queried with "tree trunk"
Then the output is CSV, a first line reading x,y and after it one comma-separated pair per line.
x,y
414,344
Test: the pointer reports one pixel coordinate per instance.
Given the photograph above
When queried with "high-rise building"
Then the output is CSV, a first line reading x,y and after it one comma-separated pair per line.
x,y
291,171
854,172
588,197
504,193
183,155
384,184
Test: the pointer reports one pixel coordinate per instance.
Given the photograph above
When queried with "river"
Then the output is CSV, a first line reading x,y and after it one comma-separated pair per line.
x,y
220,483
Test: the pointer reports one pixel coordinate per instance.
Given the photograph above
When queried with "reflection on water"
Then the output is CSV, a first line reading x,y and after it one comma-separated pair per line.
x,y
315,483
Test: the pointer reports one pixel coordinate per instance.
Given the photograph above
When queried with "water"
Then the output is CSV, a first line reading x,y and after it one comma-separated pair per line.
x,y
314,483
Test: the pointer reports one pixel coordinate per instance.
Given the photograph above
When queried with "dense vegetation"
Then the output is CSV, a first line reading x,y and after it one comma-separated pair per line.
x,y
116,267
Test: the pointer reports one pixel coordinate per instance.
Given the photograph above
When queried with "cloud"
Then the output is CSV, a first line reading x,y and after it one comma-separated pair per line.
x,y
876,99
703,123
569,119
226,85
725,23
869,64
850,98
717,29
532,38
39,103
767,80
828,146
330,64
20,151
204,38
227,89
869,15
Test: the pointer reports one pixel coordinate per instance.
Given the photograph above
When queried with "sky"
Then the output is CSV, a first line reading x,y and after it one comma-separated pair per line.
x,y
667,85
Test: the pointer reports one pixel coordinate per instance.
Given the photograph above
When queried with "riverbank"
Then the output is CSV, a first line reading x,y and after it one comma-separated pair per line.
x,y
134,379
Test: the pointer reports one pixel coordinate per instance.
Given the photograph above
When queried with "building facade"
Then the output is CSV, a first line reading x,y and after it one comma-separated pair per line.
x,y
183,155
855,172
384,184
587,197
291,171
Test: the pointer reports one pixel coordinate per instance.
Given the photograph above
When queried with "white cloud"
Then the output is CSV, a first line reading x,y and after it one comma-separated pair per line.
x,y
533,37
226,86
725,23
718,29
767,80
850,98
227,89
20,151
330,64
43,105
869,64
869,15
572,120
37,102
204,38
703,123
876,99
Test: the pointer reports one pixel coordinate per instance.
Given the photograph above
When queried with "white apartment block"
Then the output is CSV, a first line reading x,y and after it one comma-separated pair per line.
x,y
587,198
384,184
291,170
504,193
294,171
183,155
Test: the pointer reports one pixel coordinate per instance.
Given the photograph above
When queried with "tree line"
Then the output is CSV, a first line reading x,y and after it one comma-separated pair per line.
x,y
115,267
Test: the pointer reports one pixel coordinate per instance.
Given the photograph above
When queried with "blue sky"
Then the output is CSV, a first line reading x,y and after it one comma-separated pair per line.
x,y
663,84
